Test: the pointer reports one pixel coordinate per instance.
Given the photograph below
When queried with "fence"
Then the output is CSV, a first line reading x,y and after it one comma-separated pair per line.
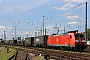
x,y
27,57
13,57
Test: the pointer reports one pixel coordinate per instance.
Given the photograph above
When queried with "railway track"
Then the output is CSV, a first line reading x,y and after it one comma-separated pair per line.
x,y
21,55
58,54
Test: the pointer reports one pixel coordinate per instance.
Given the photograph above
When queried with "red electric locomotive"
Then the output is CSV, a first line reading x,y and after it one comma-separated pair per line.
x,y
71,40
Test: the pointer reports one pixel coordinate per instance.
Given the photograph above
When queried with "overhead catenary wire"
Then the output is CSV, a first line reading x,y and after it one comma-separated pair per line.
x,y
22,9
31,4
18,11
28,6
48,13
72,8
41,5
67,11
59,6
54,9
61,13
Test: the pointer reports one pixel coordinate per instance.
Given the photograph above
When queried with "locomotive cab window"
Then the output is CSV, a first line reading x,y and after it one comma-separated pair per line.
x,y
79,36
70,36
76,36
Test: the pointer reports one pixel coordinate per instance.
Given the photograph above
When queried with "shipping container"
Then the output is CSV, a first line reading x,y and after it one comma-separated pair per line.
x,y
29,41
41,41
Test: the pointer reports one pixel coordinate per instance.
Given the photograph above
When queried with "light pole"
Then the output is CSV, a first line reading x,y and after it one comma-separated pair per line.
x,y
4,36
41,30
86,24
43,25
15,32
64,29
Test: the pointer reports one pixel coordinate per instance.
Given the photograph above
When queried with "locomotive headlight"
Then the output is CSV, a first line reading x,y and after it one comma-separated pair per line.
x,y
83,41
77,40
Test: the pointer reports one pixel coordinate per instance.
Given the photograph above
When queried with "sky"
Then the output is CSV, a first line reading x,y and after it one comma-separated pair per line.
x,y
26,16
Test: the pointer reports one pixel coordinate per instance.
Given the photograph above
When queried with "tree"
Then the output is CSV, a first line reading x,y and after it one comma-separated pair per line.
x,y
88,34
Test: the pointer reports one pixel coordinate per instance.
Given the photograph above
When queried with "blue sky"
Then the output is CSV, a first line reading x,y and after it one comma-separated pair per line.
x,y
27,16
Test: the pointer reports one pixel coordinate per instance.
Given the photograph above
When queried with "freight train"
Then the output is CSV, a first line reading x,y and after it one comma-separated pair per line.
x,y
71,40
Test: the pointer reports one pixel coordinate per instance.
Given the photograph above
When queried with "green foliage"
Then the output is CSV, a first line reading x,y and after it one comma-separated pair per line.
x,y
4,55
38,58
88,34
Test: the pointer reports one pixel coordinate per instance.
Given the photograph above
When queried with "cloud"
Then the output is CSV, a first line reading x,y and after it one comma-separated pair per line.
x,y
70,4
3,22
27,32
73,17
61,8
76,0
8,0
23,7
0,0
73,22
49,27
36,4
65,7
3,27
18,8
67,14
27,9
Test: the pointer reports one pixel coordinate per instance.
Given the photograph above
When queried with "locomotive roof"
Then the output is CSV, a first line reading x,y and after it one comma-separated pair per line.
x,y
75,31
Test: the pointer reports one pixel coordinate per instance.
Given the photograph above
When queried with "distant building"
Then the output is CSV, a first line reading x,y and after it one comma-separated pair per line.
x,y
2,41
19,38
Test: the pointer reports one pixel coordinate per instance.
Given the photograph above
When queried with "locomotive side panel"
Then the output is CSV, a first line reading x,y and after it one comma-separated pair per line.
x,y
64,41
72,39
51,41
58,41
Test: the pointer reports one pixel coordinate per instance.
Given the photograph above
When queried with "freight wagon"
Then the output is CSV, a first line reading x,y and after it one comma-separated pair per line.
x,y
12,42
29,41
40,41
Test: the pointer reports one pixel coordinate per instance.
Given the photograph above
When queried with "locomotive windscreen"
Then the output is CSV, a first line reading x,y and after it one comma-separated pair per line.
x,y
79,36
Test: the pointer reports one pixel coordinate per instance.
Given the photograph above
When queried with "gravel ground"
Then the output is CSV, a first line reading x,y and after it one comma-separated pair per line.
x,y
21,55
33,57
88,49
